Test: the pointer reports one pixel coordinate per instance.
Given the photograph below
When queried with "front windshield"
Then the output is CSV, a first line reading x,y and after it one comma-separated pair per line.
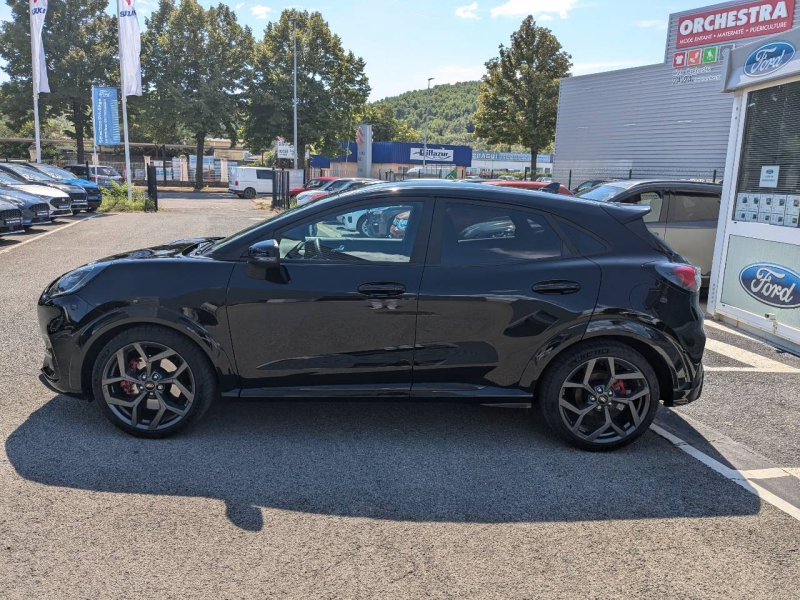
x,y
336,184
105,171
316,183
29,174
604,193
56,172
9,179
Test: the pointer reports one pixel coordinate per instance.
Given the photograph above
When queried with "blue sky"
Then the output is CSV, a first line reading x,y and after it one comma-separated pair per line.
x,y
404,42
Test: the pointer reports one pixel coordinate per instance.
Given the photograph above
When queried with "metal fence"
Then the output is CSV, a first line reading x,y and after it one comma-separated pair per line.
x,y
572,178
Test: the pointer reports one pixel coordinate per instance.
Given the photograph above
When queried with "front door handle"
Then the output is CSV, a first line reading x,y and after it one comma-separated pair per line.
x,y
557,287
382,289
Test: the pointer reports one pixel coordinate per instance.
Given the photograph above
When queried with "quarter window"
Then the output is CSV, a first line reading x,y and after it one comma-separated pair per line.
x,y
694,206
474,235
372,233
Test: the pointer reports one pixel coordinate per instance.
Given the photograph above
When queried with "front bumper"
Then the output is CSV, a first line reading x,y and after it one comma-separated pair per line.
x,y
58,322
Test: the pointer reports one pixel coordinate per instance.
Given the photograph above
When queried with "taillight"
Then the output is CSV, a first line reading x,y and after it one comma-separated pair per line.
x,y
685,276
236,183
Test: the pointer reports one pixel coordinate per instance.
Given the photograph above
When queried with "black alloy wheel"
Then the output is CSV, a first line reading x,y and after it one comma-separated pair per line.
x,y
602,396
152,382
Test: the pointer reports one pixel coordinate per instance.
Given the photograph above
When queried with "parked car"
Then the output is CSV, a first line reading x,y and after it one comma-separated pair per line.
x,y
545,179
683,213
589,184
312,184
10,219
579,307
94,196
35,211
334,187
101,175
77,195
533,185
250,182
59,203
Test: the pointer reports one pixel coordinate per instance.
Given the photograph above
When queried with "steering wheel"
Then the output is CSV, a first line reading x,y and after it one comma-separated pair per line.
x,y
317,249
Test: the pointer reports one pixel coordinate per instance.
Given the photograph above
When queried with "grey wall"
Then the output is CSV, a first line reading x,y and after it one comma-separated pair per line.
x,y
638,119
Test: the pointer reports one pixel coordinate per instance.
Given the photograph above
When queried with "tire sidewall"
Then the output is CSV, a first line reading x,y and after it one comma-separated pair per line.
x,y
555,377
202,372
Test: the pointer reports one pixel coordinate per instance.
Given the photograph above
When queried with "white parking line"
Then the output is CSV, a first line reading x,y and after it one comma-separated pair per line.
x,y
773,473
758,363
738,477
41,235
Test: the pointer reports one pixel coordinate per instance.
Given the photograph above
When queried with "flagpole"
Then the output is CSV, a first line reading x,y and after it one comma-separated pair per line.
x,y
124,111
35,77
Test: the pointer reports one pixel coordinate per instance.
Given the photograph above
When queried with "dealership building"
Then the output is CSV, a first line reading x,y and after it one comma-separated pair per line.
x,y
670,119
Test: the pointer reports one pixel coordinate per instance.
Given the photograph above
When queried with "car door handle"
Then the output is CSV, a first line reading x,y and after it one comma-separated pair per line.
x,y
556,287
382,289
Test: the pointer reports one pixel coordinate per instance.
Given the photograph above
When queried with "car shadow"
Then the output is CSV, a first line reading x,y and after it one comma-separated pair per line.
x,y
400,461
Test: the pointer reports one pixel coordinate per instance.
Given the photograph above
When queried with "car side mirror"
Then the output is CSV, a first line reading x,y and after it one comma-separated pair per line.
x,y
265,254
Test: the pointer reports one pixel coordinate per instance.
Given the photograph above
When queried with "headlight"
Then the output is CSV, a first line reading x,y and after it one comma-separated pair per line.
x,y
75,280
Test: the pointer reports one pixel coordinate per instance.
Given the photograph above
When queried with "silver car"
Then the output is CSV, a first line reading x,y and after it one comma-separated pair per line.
x,y
684,213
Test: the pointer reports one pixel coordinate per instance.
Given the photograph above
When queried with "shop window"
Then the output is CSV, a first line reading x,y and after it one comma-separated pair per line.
x,y
770,160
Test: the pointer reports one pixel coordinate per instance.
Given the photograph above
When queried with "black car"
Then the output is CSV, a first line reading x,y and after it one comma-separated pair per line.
x,y
77,195
35,211
575,305
683,213
10,219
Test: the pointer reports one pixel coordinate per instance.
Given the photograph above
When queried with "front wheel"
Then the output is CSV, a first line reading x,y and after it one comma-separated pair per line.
x,y
75,212
600,396
152,382
91,209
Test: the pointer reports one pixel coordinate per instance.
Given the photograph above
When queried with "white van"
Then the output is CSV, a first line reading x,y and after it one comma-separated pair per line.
x,y
249,182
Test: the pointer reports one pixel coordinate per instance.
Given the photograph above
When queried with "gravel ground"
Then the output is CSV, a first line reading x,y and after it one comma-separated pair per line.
x,y
357,500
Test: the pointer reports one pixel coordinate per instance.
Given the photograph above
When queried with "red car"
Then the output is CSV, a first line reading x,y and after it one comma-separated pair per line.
x,y
531,185
312,184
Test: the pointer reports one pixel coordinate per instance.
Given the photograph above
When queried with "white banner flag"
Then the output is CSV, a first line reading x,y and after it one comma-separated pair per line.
x,y
130,47
38,13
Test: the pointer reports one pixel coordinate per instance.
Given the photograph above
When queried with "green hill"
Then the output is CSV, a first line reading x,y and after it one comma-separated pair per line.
x,y
451,110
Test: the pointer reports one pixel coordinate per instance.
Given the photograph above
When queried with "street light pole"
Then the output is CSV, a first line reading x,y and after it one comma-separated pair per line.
x,y
427,106
294,97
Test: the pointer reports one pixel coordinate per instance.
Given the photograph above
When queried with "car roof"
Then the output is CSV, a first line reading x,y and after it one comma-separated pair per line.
x,y
630,183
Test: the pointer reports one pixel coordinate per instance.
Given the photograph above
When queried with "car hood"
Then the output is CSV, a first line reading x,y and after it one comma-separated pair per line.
x,y
9,194
174,249
41,190
64,187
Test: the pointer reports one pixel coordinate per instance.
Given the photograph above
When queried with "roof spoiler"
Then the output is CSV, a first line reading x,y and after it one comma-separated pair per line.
x,y
625,213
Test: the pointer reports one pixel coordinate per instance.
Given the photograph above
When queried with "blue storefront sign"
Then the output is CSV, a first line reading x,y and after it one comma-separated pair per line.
x,y
106,116
510,157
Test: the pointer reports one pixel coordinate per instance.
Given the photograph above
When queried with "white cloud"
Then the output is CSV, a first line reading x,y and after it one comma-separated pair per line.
x,y
545,17
260,11
657,25
456,73
521,8
238,6
468,11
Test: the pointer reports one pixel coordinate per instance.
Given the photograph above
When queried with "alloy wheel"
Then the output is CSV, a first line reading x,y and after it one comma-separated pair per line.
x,y
148,386
604,400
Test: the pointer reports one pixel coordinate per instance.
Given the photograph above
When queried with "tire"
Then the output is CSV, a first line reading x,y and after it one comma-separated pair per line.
x,y
361,226
249,193
628,400
75,212
197,377
92,209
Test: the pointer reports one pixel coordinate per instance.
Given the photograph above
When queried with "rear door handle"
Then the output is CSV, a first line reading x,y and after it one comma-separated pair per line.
x,y
382,289
556,287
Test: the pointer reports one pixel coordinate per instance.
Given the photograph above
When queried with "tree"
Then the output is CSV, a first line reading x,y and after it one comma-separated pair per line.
x,y
518,100
385,126
80,43
331,86
196,76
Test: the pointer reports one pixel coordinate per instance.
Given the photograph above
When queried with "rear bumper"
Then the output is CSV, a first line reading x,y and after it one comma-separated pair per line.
x,y
690,393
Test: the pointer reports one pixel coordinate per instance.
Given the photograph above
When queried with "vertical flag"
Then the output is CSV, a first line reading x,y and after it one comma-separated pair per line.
x,y
38,14
130,46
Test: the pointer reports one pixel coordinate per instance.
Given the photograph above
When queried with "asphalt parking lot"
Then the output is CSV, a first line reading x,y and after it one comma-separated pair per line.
x,y
384,500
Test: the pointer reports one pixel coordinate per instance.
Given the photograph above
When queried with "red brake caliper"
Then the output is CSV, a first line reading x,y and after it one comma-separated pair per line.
x,y
619,388
126,386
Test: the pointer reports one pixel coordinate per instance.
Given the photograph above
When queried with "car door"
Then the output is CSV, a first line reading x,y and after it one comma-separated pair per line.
x,y
691,227
338,316
499,284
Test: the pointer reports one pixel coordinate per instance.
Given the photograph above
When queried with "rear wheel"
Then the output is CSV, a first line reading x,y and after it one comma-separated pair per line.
x,y
249,193
152,382
362,226
600,396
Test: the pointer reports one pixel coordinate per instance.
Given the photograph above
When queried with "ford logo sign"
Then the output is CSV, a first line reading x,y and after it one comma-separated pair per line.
x,y
772,284
769,58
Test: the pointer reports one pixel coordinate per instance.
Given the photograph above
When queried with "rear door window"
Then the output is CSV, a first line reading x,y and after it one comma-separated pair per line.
x,y
693,207
475,235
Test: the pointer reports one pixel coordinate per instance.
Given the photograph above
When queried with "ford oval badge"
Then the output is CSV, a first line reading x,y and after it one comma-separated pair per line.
x,y
772,284
769,58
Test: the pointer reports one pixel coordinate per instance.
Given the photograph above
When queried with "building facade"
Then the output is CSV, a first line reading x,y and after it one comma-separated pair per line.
x,y
669,119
